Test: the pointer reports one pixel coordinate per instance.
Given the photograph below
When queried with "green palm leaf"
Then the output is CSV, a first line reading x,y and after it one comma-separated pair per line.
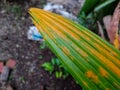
x,y
93,62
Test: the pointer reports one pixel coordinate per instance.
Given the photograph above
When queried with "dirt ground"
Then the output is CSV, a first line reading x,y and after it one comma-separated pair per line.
x,y
28,73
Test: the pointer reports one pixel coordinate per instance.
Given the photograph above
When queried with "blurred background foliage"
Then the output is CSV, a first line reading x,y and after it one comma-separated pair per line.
x,y
94,10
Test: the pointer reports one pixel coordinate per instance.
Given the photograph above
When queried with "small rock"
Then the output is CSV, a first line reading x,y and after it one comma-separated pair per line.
x,y
28,63
3,11
41,87
32,68
26,57
17,45
23,18
4,74
8,87
22,56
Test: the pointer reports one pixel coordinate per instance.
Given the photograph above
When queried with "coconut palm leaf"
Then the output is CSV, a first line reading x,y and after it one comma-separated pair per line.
x,y
93,62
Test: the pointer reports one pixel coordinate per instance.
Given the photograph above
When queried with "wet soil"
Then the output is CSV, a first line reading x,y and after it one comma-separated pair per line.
x,y
28,73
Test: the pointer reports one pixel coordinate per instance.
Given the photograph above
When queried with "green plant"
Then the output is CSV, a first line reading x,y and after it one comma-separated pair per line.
x,y
94,11
55,67
60,70
43,45
48,67
93,62
40,57
88,21
10,78
16,9
99,8
22,79
13,8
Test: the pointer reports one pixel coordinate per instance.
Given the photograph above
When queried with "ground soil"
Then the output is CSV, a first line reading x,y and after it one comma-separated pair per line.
x,y
28,73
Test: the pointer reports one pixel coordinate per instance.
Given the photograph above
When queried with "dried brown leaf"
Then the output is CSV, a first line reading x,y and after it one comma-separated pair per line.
x,y
100,29
115,25
106,21
111,25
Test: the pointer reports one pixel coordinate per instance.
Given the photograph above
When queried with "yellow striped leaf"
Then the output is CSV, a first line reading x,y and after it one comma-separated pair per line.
x,y
93,62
